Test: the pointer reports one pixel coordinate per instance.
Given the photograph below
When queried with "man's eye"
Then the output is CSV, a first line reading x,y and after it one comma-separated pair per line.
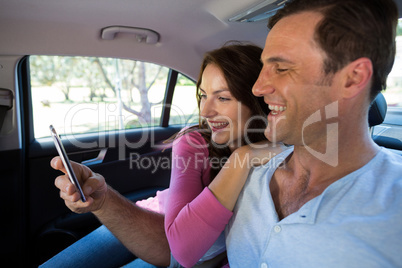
x,y
279,70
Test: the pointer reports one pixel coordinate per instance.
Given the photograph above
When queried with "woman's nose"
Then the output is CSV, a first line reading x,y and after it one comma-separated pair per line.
x,y
207,109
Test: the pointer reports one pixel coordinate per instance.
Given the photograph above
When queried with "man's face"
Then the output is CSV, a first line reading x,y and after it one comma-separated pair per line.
x,y
292,80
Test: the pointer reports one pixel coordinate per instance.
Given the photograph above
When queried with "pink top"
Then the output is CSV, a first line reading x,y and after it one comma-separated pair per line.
x,y
194,218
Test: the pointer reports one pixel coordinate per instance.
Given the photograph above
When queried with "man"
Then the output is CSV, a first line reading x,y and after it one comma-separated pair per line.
x,y
336,198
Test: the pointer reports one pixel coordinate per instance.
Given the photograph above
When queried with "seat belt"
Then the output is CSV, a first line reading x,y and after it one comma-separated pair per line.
x,y
6,103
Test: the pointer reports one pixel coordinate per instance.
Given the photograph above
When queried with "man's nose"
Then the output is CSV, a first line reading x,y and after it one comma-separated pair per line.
x,y
263,85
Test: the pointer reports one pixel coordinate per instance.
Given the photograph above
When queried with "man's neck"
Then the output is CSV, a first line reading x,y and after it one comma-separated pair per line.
x,y
305,176
350,156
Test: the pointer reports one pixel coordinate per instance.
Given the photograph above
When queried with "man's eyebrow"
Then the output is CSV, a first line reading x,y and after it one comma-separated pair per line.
x,y
276,59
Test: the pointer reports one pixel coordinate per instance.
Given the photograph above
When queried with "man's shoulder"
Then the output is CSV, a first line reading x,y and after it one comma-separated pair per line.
x,y
393,154
389,162
383,174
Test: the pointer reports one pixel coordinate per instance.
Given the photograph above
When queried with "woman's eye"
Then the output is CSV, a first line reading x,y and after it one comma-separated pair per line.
x,y
223,99
203,96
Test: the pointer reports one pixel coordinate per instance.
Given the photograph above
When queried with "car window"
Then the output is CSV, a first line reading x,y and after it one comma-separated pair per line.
x,y
90,94
393,93
184,108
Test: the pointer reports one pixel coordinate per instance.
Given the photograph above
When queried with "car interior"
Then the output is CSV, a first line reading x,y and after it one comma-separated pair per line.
x,y
116,79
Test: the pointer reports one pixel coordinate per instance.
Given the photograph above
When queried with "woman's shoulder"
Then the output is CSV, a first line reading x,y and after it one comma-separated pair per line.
x,y
190,135
190,140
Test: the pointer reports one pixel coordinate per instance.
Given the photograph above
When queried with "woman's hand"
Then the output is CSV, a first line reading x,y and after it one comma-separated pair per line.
x,y
257,154
230,180
93,186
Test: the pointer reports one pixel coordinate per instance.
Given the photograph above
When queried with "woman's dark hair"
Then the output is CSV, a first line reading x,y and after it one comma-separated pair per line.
x,y
351,29
240,64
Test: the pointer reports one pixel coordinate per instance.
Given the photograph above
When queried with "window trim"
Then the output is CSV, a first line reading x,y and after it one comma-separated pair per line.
x,y
167,101
24,87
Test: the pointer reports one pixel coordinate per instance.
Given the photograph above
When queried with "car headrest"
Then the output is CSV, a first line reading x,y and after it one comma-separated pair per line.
x,y
378,110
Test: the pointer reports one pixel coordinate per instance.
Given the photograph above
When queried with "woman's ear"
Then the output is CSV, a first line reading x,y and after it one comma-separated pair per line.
x,y
358,77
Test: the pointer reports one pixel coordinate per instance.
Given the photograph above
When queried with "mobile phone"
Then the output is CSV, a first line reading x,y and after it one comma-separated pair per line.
x,y
66,162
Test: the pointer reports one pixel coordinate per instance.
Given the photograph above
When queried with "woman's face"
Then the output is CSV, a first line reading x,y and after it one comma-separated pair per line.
x,y
225,115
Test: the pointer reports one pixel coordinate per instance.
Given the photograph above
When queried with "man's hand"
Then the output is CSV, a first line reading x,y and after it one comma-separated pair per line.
x,y
140,230
93,186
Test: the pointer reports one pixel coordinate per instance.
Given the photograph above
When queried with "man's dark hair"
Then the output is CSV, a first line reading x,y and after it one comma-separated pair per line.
x,y
351,29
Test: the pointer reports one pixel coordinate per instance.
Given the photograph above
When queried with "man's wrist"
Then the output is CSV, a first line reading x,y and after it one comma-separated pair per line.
x,y
103,206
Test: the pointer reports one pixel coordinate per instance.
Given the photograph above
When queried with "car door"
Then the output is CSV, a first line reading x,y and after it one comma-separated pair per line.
x,y
102,127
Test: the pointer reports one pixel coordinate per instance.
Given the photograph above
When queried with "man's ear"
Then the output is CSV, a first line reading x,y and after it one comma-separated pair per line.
x,y
358,77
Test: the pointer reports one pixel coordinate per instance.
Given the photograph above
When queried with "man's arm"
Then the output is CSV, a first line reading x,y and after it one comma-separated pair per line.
x,y
140,230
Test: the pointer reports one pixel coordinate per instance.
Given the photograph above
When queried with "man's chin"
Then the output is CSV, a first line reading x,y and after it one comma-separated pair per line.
x,y
272,137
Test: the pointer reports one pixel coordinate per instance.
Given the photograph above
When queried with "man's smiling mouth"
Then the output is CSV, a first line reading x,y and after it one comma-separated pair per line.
x,y
276,109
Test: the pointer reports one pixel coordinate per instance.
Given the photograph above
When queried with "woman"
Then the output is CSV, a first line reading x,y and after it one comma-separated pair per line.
x,y
196,214
202,193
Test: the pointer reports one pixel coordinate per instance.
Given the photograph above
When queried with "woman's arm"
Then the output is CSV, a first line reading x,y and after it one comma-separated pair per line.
x,y
230,180
194,219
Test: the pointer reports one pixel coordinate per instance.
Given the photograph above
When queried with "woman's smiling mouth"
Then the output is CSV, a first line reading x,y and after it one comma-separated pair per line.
x,y
218,125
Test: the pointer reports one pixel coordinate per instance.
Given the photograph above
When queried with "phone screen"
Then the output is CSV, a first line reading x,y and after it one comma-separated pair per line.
x,y
66,162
